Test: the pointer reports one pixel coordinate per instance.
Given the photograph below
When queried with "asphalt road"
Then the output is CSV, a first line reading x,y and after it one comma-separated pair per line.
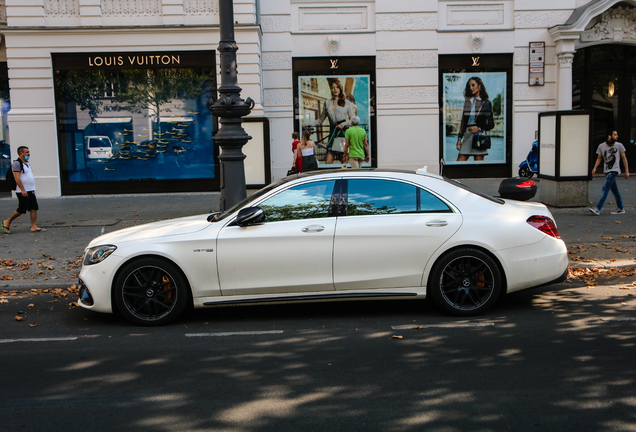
x,y
557,358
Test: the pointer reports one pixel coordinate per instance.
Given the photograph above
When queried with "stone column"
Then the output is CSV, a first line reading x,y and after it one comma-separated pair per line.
x,y
564,97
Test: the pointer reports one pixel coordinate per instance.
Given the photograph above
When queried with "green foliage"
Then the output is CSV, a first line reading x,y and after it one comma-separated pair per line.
x,y
296,211
149,89
85,88
133,90
369,209
497,105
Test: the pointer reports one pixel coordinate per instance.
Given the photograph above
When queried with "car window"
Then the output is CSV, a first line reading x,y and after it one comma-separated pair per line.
x,y
374,197
380,197
99,142
309,200
429,203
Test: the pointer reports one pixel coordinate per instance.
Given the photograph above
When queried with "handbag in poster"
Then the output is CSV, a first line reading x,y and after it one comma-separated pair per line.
x,y
481,141
339,144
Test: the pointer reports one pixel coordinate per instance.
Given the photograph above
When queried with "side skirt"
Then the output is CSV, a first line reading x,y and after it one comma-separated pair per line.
x,y
315,298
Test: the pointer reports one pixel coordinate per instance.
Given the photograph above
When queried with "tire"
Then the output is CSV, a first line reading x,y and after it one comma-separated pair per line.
x,y
525,172
465,282
151,291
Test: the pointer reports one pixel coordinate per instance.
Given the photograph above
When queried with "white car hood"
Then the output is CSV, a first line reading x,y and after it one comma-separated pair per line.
x,y
170,227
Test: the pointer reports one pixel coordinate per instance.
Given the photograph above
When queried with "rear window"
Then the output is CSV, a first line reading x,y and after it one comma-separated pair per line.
x,y
476,192
99,142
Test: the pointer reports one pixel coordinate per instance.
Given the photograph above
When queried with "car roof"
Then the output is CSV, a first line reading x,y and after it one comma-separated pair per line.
x,y
357,171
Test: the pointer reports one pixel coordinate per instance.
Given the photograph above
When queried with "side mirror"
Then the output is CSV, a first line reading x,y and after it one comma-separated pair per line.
x,y
250,216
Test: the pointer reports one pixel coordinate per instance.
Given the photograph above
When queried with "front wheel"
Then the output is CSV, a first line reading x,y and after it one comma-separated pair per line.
x,y
151,292
465,282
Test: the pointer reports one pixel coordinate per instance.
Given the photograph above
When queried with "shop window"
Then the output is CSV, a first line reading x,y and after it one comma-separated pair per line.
x,y
150,111
330,93
5,105
475,101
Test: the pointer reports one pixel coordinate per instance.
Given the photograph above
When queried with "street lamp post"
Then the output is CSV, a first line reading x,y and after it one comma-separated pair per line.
x,y
229,108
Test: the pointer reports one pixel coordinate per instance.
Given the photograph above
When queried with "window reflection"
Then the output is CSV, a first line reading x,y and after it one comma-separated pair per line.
x,y
382,197
305,201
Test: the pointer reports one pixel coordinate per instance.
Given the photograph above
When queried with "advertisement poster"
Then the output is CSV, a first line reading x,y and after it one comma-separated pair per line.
x,y
147,121
327,105
474,107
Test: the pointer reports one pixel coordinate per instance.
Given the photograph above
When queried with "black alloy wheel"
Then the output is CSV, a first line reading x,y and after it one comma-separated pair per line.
x,y
151,292
465,282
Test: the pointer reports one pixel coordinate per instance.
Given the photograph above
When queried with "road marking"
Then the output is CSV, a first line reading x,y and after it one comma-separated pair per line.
x,y
248,333
38,340
423,326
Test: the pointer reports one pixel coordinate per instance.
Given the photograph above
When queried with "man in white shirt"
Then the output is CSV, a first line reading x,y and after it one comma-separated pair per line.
x,y
25,192
610,153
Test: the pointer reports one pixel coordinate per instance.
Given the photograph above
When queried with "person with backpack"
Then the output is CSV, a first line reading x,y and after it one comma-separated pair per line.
x,y
25,182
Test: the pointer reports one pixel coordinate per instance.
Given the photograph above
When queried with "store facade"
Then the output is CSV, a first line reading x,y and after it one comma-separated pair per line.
x,y
112,96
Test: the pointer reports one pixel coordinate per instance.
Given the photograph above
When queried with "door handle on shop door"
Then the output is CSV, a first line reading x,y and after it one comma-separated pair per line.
x,y
313,229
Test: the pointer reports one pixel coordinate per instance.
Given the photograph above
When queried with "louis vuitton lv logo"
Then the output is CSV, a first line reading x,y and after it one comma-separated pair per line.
x,y
334,63
475,61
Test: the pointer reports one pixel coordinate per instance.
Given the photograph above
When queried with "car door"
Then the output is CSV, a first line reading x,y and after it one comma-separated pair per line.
x,y
389,231
292,251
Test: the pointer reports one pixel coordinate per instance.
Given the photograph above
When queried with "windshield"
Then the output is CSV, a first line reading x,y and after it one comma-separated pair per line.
x,y
255,196
99,142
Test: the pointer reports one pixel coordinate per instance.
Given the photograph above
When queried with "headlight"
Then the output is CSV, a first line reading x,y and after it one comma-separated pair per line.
x,y
98,254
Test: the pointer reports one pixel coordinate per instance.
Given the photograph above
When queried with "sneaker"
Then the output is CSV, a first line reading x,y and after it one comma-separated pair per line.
x,y
618,211
596,211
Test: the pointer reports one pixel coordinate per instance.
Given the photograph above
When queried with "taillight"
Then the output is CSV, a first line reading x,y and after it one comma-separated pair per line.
x,y
545,225
527,184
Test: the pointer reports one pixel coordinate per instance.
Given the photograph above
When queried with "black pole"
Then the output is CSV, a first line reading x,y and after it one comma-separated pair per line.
x,y
229,108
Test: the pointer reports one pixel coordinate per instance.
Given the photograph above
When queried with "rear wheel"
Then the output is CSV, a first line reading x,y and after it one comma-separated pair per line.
x,y
525,172
465,282
151,291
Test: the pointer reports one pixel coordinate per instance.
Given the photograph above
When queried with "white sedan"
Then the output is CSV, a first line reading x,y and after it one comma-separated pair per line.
x,y
334,235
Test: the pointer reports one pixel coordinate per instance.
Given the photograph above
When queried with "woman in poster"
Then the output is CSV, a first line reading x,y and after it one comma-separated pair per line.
x,y
477,118
340,111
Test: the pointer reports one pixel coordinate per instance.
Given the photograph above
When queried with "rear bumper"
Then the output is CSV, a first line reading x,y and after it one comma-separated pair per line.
x,y
537,264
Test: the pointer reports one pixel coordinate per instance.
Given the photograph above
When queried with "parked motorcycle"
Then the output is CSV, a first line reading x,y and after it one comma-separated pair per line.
x,y
530,166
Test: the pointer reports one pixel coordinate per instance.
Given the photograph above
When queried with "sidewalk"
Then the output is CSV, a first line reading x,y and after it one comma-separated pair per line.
x,y
52,258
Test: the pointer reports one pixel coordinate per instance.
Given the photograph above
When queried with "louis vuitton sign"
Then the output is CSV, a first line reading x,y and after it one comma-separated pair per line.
x,y
134,60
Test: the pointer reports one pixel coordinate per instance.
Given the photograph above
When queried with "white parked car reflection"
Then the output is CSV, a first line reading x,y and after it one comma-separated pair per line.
x,y
329,236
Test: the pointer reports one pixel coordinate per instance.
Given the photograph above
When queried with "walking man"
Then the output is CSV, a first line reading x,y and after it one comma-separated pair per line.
x,y
25,192
356,149
611,153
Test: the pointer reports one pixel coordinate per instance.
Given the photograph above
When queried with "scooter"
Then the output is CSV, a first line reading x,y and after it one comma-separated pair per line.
x,y
530,166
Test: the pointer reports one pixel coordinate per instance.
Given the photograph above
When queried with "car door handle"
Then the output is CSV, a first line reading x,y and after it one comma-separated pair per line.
x,y
313,229
437,223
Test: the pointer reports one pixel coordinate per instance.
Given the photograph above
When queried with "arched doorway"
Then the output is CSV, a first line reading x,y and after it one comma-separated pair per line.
x,y
604,82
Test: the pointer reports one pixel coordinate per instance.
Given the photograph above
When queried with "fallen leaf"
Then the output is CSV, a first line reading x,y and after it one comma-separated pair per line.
x,y
396,337
31,305
419,328
18,318
4,301
33,325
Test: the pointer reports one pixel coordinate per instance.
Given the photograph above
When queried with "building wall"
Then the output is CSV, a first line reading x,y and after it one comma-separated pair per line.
x,y
406,37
